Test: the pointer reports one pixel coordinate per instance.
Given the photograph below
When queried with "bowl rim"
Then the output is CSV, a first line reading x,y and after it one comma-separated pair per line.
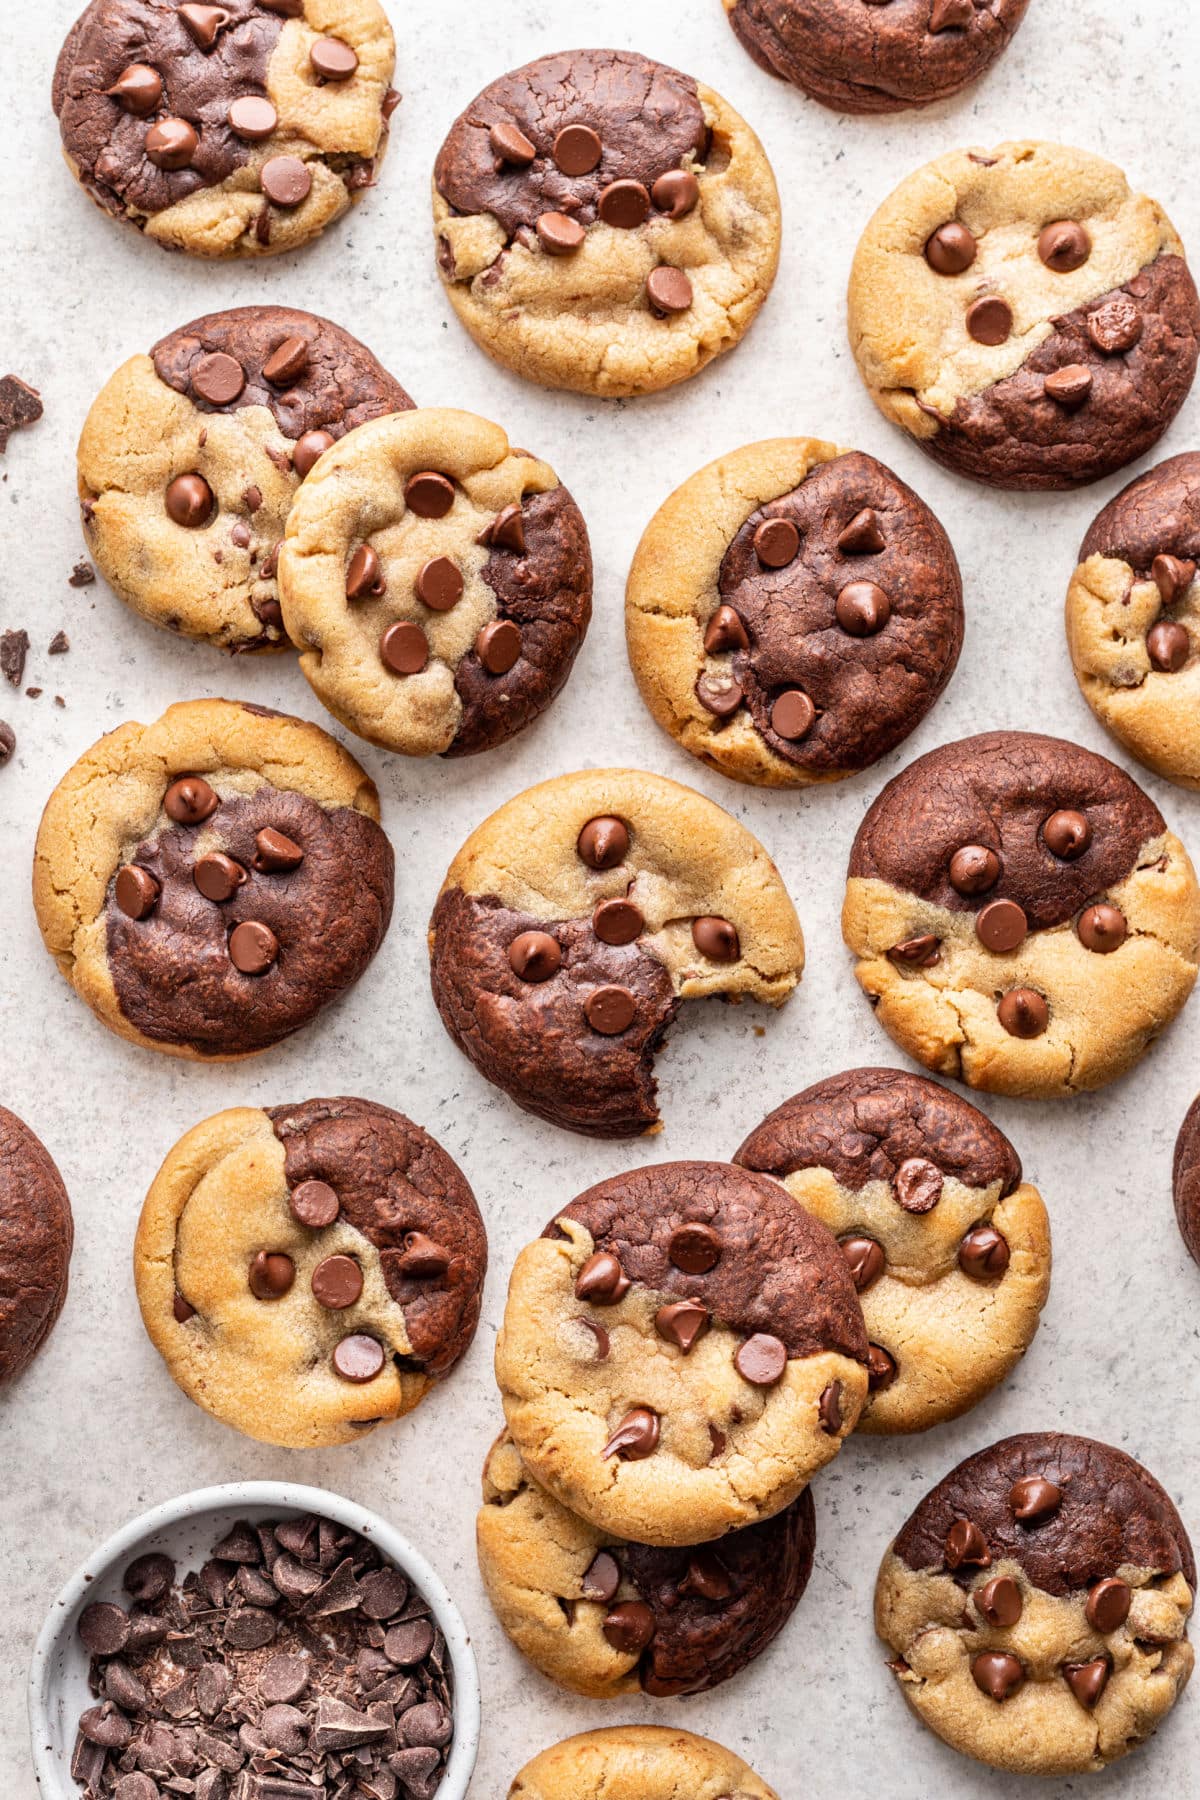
x,y
289,1496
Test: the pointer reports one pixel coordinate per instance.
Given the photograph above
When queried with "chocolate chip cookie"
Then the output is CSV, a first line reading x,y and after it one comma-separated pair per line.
x,y
437,581
682,1350
1023,918
575,922
792,612
209,882
876,56
1036,1604
309,1272
604,223
234,130
190,458
1024,315
604,1617
638,1762
1133,611
36,1235
948,1248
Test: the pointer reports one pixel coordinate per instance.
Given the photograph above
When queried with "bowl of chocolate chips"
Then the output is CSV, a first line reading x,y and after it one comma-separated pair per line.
x,y
257,1641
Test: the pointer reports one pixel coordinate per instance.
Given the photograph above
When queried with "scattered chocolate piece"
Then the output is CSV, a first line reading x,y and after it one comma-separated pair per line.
x,y
20,405
8,742
82,575
14,648
60,643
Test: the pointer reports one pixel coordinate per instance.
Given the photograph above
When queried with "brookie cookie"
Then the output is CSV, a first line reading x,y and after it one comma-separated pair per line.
x,y
234,130
1036,1604
682,1350
1022,917
1024,315
638,1762
792,612
190,458
437,581
309,1272
209,882
574,923
948,1248
1185,1180
604,1617
1133,618
604,223
36,1235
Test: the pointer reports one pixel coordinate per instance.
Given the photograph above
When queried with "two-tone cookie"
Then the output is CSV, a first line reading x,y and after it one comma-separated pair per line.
x,y
234,130
604,223
876,56
948,1247
1133,618
792,612
36,1236
191,456
437,582
574,923
1036,1604
1022,916
605,1617
682,1350
208,883
638,1762
1024,315
309,1272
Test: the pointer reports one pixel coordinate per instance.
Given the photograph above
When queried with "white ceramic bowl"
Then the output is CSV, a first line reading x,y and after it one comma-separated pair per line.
x,y
185,1530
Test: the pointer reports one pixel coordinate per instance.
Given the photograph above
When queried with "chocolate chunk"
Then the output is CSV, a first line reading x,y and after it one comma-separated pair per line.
x,y
218,378
364,573
82,575
254,118
341,1727
1168,646
694,1247
1087,1681
308,448
284,1678
422,1259
792,715
923,951
337,1283
1067,834
383,1593
617,922
511,145
137,89
136,891
498,646
602,1578
1070,386
60,643
249,1628
974,869
14,648
636,1437
882,1368
103,1628
149,1577
189,501
20,405
862,609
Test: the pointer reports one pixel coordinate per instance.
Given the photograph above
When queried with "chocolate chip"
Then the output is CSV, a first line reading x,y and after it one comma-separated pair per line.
x,y
271,1275
974,869
668,290
1108,1604
498,646
138,89
865,1260
428,1723
103,1628
603,1343
190,800
1033,1499
1069,386
429,494
999,1602
792,715
997,1674
577,150
558,234
761,1359
602,1280
507,529
382,1594
285,1677
534,956
333,58
1064,246
716,938
721,701
314,1203
1067,834
404,648
189,501
965,1543
675,192
149,1577
285,180
601,1578
829,1409
862,609
1116,326
217,876
922,951
440,584
358,1358
250,1628
863,536
983,1254
629,1627
308,448
204,22
511,145
917,1184
364,573
694,1247
682,1323
253,118
1001,926
617,922
989,320
1168,646
1172,576
422,1259
275,853
624,205
635,1438
218,378
408,1644
1087,1681
1102,928
136,891
610,1010
882,1368
603,843
337,1283
105,1726
776,542
725,631
253,947
1023,1013
951,248
171,143
287,362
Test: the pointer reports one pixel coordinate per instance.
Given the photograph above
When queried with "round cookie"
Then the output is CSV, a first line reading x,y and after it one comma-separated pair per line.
x,y
209,882
604,223
1185,1180
604,1617
309,1272
682,1350
792,612
1024,315
948,1248
235,130
577,919
437,581
36,1235
876,56
638,1762
190,458
1036,1603
1133,618
1022,917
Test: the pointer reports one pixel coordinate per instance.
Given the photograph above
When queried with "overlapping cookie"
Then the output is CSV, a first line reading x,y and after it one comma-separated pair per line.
x,y
792,612
209,882
604,223
1036,1604
309,1272
638,1762
948,1247
235,130
573,924
191,456
36,1236
1021,914
1024,315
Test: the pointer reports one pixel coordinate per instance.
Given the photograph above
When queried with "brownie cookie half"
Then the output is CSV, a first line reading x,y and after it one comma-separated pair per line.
x,y
604,223
948,1248
605,1617
876,56
1185,1180
235,130
1036,1604
1023,918
210,882
36,1237
190,458
309,1272
792,612
682,1350
574,923
1024,315
437,581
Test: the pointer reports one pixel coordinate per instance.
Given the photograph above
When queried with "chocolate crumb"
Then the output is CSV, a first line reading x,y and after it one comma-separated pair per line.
x,y
82,575
59,644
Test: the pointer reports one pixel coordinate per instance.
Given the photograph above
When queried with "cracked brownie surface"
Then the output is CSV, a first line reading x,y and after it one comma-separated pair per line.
x,y
36,1236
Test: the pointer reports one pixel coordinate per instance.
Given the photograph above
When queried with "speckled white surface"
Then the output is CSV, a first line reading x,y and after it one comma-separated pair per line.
x,y
97,1431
